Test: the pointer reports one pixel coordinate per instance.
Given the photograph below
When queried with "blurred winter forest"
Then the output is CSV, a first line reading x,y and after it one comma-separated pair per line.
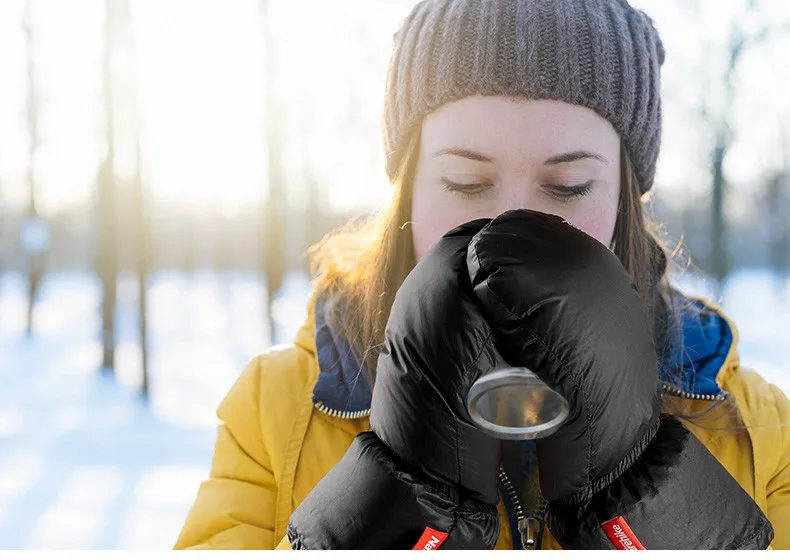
x,y
164,166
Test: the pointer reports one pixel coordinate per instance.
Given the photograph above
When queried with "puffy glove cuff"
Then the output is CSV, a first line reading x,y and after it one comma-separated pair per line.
x,y
675,496
372,500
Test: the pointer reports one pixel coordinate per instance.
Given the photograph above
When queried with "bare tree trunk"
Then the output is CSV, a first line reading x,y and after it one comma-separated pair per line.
x,y
739,43
719,252
138,189
107,258
142,270
274,232
34,255
776,205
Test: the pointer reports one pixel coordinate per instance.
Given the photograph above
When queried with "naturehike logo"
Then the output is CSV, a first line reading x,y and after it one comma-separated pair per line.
x,y
621,535
622,538
431,539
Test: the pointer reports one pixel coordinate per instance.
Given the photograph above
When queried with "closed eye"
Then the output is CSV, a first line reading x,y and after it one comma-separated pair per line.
x,y
569,192
564,193
466,190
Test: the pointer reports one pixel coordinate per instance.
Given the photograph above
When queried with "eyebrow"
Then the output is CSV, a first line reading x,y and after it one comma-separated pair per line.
x,y
468,154
554,160
574,156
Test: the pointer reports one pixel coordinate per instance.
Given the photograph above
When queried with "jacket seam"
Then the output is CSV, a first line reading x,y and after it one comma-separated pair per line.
x,y
292,454
748,419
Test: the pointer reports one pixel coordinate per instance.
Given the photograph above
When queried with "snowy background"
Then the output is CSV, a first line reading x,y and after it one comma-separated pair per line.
x,y
85,463
216,138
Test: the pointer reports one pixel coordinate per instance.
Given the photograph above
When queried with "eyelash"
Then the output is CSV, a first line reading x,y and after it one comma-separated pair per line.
x,y
472,190
570,192
563,193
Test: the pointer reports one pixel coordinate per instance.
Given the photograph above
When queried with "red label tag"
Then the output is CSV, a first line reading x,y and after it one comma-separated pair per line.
x,y
431,539
621,534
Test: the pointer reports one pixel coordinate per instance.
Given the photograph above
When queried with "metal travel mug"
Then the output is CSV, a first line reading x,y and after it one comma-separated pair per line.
x,y
513,403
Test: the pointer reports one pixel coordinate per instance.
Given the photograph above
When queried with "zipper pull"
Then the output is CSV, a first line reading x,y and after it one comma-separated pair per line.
x,y
529,527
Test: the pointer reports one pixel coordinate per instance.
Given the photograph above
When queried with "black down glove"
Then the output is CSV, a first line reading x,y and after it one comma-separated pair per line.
x,y
617,474
424,470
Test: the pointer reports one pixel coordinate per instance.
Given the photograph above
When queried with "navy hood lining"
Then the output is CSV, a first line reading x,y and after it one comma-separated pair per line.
x,y
344,379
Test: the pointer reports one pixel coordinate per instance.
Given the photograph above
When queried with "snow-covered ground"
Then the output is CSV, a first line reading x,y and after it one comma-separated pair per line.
x,y
85,463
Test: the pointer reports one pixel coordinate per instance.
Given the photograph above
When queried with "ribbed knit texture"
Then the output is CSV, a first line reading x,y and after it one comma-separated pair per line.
x,y
601,54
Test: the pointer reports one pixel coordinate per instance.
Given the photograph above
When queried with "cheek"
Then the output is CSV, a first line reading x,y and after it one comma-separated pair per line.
x,y
429,221
432,215
596,220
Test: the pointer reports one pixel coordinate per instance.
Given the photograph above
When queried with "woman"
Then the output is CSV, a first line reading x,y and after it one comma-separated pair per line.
x,y
520,136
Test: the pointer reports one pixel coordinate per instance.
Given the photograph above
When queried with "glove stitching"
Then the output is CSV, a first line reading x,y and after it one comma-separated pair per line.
x,y
625,464
741,545
457,448
553,354
455,417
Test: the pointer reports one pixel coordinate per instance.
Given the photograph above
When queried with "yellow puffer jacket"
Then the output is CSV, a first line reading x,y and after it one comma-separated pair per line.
x,y
274,444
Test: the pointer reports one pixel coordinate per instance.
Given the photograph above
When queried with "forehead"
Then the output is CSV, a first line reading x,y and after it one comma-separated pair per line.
x,y
516,127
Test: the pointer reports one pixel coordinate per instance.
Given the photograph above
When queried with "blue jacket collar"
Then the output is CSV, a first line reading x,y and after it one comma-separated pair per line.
x,y
692,363
694,360
343,381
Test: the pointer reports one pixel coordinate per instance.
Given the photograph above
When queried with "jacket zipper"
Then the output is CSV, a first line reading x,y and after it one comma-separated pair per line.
x,y
666,387
672,390
338,414
530,527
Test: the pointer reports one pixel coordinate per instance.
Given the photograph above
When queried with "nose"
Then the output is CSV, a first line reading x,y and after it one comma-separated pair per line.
x,y
516,197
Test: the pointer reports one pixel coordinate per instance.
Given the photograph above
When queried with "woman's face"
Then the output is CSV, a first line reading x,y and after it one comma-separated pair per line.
x,y
481,156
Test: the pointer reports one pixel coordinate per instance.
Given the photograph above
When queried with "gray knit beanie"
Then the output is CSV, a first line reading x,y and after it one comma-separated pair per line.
x,y
601,54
